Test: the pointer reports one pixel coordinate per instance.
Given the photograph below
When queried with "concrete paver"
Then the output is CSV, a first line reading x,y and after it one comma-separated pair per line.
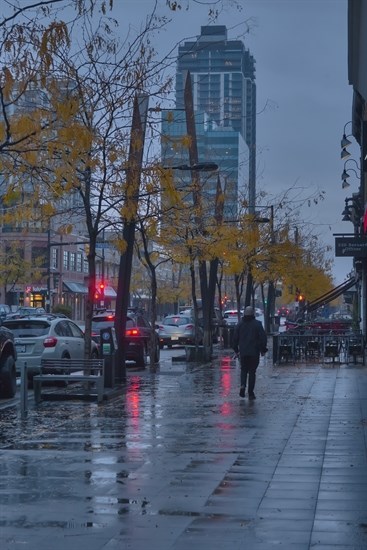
x,y
179,461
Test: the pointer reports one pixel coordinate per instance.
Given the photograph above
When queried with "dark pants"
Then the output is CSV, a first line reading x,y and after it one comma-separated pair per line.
x,y
249,365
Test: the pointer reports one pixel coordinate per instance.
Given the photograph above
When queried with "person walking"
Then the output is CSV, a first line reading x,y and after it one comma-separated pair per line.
x,y
249,341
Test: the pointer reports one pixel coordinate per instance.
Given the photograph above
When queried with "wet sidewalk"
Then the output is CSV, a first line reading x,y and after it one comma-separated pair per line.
x,y
179,461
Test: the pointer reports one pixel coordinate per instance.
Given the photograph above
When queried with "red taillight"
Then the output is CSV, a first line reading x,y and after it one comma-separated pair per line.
x,y
50,342
133,332
189,327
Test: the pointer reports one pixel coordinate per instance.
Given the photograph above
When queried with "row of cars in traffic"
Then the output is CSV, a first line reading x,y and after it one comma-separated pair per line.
x,y
180,329
30,334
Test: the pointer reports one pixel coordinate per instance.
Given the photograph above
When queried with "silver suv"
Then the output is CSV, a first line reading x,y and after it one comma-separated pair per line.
x,y
46,337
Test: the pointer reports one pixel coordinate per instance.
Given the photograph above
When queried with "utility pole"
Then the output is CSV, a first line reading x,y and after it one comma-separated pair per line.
x,y
270,306
48,298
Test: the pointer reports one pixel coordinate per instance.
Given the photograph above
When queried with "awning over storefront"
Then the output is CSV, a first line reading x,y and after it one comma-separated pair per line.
x,y
332,294
110,292
79,288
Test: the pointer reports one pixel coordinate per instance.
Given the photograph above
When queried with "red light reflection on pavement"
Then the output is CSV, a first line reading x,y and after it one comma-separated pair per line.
x,y
133,398
226,374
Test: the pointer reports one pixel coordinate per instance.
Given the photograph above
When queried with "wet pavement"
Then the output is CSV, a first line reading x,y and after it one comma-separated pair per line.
x,y
179,461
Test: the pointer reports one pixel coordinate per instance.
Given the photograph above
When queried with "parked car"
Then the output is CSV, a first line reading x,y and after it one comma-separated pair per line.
x,y
8,356
4,311
216,319
46,337
230,317
138,334
24,311
178,330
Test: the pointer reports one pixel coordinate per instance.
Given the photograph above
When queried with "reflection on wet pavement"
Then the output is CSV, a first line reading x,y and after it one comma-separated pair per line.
x,y
179,461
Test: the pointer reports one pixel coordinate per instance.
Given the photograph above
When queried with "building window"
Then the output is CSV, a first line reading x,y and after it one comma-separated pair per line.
x,y
79,262
85,265
66,260
39,256
72,261
54,258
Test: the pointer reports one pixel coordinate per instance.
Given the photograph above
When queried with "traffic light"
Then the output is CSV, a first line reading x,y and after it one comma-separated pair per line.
x,y
99,292
101,288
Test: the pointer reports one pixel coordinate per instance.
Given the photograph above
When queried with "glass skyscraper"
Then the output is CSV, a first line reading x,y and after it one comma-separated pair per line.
x,y
224,92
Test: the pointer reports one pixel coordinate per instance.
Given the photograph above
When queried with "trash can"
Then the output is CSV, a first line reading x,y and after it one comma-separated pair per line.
x,y
228,333
108,352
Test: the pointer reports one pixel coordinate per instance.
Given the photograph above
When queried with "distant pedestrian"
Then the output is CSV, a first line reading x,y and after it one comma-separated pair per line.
x,y
249,341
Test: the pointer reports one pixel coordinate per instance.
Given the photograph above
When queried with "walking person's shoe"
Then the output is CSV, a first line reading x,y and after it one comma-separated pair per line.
x,y
242,391
251,395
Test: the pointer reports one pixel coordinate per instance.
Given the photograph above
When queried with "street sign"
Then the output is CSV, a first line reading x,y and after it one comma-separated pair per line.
x,y
351,246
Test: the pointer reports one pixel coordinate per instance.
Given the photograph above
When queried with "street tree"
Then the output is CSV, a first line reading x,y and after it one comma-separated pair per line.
x,y
74,158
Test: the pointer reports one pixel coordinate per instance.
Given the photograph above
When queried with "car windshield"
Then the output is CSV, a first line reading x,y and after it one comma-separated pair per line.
x,y
23,328
176,321
30,310
105,321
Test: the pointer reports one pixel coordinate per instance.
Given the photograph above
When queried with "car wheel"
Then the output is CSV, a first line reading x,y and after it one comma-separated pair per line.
x,y
142,359
8,385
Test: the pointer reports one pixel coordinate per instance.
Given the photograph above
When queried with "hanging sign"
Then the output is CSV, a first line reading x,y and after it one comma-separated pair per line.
x,y
351,246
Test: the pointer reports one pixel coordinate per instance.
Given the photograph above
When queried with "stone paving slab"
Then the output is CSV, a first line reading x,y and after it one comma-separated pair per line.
x,y
178,461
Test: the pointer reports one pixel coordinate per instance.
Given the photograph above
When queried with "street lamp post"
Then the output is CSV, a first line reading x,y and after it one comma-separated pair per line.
x,y
270,305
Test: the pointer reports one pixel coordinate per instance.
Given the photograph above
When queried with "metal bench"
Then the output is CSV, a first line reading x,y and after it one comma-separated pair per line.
x,y
90,371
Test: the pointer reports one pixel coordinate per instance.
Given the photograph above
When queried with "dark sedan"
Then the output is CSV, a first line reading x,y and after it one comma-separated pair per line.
x,y
139,333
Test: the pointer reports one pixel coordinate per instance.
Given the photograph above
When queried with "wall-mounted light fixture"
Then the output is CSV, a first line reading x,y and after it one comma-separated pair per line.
x,y
345,142
345,174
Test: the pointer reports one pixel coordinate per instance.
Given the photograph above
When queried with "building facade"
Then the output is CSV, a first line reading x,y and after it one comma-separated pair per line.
x,y
357,76
223,86
43,264
216,144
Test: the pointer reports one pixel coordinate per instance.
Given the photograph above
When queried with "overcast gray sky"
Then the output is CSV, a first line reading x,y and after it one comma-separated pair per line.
x,y
303,96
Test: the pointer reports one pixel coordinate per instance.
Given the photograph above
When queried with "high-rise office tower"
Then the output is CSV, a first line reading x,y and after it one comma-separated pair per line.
x,y
224,91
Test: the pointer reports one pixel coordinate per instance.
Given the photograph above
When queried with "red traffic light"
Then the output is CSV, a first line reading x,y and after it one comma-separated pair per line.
x,y
99,291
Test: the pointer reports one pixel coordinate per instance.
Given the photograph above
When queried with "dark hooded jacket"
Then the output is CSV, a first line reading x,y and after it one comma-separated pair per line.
x,y
249,337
